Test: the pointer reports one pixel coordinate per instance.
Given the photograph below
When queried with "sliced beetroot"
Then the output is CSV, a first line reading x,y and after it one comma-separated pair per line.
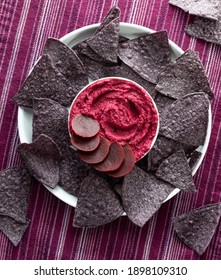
x,y
85,126
98,154
113,160
127,165
85,144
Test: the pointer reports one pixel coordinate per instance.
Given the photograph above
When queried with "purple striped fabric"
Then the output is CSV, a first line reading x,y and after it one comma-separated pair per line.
x,y
24,28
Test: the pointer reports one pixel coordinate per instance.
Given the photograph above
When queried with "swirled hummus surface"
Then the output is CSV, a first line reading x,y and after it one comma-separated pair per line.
x,y
124,110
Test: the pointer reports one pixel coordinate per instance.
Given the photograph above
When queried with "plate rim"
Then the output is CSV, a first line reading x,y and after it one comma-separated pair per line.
x,y
58,191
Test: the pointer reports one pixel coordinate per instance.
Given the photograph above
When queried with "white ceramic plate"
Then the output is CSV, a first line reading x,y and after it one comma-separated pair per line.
x,y
130,31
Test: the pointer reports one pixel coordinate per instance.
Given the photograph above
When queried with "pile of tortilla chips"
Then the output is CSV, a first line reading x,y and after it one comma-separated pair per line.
x,y
183,103
207,20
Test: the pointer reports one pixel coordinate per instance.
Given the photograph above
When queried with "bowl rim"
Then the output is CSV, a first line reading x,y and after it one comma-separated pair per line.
x,y
122,79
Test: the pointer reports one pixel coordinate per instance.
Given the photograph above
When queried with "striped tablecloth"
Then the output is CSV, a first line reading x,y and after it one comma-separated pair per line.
x,y
24,27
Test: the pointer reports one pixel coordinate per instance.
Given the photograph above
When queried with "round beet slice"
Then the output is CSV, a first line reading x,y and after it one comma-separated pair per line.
x,y
98,155
113,160
85,126
85,144
127,165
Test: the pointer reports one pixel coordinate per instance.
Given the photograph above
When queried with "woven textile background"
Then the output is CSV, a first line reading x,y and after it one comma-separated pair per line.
x,y
24,27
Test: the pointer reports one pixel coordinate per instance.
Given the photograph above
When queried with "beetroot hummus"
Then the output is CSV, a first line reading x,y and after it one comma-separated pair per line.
x,y
124,110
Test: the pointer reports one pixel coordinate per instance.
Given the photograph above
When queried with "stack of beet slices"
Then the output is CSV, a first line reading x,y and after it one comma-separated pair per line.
x,y
94,149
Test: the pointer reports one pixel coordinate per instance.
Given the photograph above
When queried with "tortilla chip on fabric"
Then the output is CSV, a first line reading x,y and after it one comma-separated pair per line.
x,y
14,193
45,80
50,118
176,171
142,195
163,148
67,62
97,204
12,229
186,120
42,159
205,29
72,170
204,8
197,227
184,75
147,55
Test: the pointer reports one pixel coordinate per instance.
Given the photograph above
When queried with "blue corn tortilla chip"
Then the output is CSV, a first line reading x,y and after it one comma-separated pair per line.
x,y
96,70
184,75
79,47
129,73
50,118
105,41
162,102
111,15
42,159
176,171
97,204
205,29
82,49
46,81
87,51
12,229
14,197
122,40
162,149
147,55
195,156
142,195
197,227
72,170
204,8
95,66
67,62
14,193
186,120
103,45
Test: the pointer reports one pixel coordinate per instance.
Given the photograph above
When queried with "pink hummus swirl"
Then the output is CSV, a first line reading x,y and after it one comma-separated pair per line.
x,y
124,110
